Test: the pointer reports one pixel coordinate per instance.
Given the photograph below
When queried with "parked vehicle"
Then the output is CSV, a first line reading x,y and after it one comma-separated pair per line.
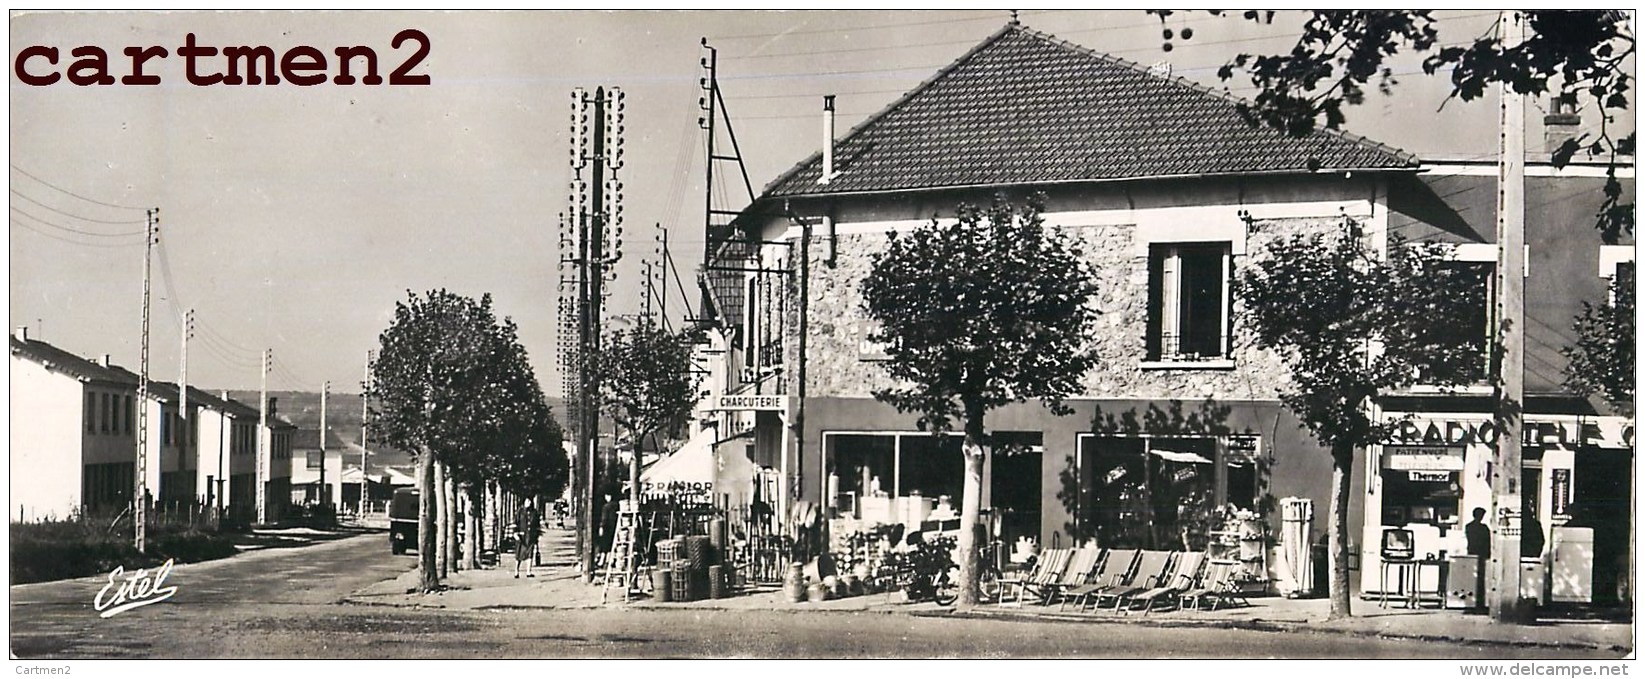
x,y
402,523
402,520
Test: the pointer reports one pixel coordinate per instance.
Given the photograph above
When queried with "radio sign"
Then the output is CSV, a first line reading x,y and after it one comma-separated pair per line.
x,y
765,402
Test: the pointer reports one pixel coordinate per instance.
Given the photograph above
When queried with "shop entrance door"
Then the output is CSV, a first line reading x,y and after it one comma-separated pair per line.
x,y
1015,485
1603,484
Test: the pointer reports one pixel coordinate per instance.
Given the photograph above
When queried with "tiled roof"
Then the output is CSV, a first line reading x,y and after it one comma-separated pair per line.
x,y
64,361
1024,108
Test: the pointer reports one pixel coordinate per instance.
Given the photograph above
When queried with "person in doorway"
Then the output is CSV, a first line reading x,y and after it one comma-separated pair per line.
x,y
1478,535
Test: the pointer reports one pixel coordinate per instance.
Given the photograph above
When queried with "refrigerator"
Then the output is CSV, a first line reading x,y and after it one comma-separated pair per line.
x,y
1573,567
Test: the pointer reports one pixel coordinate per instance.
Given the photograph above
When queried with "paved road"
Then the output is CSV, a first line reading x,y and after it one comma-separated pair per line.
x,y
283,604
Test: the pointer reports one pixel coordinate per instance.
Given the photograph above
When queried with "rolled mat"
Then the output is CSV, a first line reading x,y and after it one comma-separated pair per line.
x,y
716,582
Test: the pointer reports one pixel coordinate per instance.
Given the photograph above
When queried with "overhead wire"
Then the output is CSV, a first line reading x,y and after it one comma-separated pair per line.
x,y
63,239
72,215
62,190
70,229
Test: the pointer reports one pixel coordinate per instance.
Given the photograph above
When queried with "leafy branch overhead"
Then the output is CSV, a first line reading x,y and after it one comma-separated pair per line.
x,y
1602,361
1585,56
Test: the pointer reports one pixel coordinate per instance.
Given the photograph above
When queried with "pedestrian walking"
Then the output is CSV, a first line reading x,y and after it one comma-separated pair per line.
x,y
526,532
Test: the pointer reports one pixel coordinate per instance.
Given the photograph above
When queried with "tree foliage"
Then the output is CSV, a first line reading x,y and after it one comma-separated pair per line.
x,y
453,383
646,378
1350,326
989,309
1602,360
1586,54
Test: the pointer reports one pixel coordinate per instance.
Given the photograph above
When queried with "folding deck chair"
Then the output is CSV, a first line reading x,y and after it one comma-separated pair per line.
x,y
1049,567
1184,573
1216,586
1080,566
1114,570
1151,568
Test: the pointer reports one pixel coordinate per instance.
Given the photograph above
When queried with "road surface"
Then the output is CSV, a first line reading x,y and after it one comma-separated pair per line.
x,y
285,604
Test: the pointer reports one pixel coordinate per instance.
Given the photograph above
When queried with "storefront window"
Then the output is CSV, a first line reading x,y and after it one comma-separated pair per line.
x,y
933,466
863,462
1420,496
1153,493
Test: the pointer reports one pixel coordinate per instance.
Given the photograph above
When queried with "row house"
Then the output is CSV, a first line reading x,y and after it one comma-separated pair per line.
x,y
1168,192
74,435
317,471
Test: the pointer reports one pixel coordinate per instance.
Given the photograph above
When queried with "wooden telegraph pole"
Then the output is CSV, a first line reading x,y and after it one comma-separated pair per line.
x,y
1503,595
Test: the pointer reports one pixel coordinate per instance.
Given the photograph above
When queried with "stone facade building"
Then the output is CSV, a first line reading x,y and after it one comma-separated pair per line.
x,y
1168,192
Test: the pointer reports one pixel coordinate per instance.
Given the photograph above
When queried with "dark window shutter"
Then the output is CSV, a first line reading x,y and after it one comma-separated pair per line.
x,y
1156,289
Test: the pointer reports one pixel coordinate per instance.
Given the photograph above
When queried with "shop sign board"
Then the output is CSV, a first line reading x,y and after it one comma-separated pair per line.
x,y
1422,458
1607,432
1419,475
767,402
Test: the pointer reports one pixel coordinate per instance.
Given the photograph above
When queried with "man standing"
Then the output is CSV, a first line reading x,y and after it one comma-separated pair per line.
x,y
1479,536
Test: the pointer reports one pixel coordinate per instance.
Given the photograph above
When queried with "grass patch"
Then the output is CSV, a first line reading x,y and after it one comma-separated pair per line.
x,y
87,545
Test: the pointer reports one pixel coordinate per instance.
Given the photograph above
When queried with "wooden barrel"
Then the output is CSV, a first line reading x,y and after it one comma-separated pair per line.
x,y
716,582
662,584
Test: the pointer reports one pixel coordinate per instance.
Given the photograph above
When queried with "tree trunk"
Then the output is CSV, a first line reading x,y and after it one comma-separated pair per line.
x,y
430,577
453,517
442,545
493,516
971,510
471,542
1342,470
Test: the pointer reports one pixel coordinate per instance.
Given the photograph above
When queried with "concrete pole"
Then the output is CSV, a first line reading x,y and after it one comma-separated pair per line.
x,y
1503,595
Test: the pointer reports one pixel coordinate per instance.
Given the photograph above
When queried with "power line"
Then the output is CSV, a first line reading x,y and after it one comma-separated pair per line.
x,y
47,222
60,189
62,239
94,220
748,36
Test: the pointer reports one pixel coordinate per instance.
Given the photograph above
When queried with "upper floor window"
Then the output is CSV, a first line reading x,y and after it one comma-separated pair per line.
x,y
1188,301
1475,283
91,412
1616,265
316,459
130,414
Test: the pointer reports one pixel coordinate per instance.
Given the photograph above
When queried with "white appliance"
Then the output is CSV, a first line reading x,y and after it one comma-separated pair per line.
x,y
1573,570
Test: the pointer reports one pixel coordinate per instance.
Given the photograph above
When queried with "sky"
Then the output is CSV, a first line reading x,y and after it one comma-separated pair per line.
x,y
293,218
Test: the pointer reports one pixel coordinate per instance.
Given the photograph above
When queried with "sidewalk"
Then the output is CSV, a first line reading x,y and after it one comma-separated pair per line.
x,y
556,585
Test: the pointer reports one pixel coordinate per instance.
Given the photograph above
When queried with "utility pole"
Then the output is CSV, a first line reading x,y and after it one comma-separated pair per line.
x,y
140,492
182,366
262,439
596,204
365,423
1503,595
325,490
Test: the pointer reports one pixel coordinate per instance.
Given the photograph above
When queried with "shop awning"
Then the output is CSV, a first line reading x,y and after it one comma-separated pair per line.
x,y
699,461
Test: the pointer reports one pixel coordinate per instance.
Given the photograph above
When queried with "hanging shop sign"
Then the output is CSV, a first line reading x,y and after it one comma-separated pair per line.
x,y
1422,458
768,402
1609,432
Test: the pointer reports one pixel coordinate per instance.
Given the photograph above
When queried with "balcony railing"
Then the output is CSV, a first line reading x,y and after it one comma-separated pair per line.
x,y
1190,348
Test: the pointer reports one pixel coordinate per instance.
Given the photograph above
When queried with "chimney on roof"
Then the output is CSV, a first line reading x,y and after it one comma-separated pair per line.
x,y
1161,69
1561,123
224,394
108,360
828,140
23,332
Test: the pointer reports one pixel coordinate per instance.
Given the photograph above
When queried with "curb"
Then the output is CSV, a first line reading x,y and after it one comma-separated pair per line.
x,y
1272,626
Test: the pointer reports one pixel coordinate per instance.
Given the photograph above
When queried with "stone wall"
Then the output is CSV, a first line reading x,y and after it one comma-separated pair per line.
x,y
838,326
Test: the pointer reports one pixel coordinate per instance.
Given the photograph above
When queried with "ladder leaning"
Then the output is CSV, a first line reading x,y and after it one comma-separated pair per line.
x,y
620,566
